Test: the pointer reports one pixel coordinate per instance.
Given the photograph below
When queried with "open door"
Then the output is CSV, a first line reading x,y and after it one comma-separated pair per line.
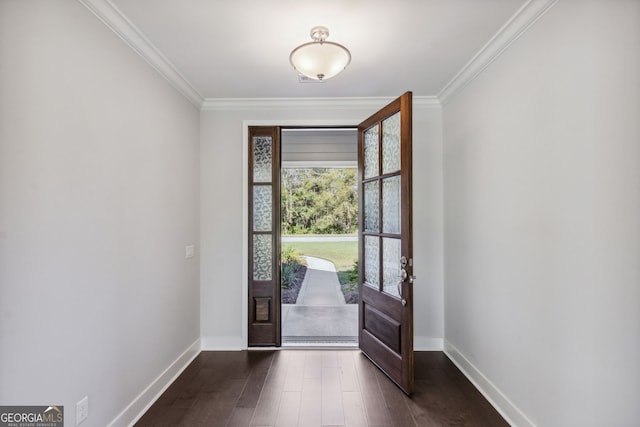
x,y
385,236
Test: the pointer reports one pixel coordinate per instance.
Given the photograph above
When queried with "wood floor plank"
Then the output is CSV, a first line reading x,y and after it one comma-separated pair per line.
x,y
374,404
221,410
316,388
332,406
313,364
310,398
348,375
266,410
394,399
289,409
443,396
200,410
330,358
268,404
295,371
429,407
253,387
171,417
240,417
354,415
231,386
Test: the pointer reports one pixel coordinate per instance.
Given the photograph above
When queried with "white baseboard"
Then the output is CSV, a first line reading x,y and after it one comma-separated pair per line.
x,y
229,343
421,343
503,405
134,411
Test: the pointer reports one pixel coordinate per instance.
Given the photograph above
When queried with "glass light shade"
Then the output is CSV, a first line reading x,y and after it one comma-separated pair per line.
x,y
320,60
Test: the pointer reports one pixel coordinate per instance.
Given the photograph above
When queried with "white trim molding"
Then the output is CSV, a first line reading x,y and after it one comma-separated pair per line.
x,y
216,343
113,18
136,409
490,391
328,103
519,23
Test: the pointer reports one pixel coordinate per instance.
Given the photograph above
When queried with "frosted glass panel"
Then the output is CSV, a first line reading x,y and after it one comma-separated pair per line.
x,y
262,159
372,206
262,257
371,158
391,205
391,254
372,261
262,208
391,144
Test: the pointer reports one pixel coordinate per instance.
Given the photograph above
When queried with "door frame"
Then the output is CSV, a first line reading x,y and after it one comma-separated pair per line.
x,y
245,200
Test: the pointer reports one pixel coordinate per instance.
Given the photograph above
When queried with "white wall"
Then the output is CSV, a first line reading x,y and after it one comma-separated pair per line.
x,y
223,299
99,188
542,220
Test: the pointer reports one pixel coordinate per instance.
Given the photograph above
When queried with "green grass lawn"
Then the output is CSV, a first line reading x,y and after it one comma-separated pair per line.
x,y
342,254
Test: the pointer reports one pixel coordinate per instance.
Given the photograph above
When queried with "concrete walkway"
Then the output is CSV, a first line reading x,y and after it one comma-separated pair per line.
x,y
321,285
320,314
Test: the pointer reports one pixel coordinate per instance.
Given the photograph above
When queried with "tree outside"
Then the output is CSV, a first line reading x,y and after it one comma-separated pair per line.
x,y
319,201
322,202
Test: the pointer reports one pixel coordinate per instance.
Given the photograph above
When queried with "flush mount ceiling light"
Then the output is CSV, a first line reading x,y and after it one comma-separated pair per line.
x,y
320,59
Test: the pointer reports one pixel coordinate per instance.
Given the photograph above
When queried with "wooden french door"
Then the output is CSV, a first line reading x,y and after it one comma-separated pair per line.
x,y
264,236
385,238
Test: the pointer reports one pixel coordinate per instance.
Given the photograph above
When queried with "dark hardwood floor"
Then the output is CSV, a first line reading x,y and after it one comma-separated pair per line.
x,y
317,388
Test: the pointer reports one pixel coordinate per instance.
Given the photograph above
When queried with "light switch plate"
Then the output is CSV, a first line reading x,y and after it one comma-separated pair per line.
x,y
189,251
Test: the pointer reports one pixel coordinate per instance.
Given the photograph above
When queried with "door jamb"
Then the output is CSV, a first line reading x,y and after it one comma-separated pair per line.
x,y
245,202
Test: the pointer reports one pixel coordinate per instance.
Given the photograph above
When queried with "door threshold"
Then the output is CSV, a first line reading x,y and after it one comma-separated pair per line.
x,y
318,346
315,341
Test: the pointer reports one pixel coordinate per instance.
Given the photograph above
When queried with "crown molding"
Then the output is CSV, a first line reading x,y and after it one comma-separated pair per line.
x,y
328,103
113,18
519,23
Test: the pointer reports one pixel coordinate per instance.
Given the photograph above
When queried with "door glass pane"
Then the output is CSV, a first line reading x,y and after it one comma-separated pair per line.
x,y
262,208
391,144
372,261
372,206
391,205
262,159
371,159
391,254
262,254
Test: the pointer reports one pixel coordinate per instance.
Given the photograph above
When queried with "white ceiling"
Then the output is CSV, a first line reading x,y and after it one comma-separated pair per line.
x,y
240,49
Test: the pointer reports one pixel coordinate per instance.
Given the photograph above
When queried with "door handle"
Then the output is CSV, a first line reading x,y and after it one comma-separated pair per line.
x,y
402,300
404,276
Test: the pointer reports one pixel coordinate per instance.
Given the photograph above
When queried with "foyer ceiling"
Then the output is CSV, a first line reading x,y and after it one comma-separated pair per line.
x,y
240,49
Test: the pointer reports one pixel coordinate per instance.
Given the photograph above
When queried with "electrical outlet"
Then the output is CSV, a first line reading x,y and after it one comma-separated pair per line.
x,y
82,410
189,251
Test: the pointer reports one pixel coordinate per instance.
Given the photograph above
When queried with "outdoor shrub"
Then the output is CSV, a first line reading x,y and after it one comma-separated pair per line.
x,y
289,254
291,261
352,278
353,273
